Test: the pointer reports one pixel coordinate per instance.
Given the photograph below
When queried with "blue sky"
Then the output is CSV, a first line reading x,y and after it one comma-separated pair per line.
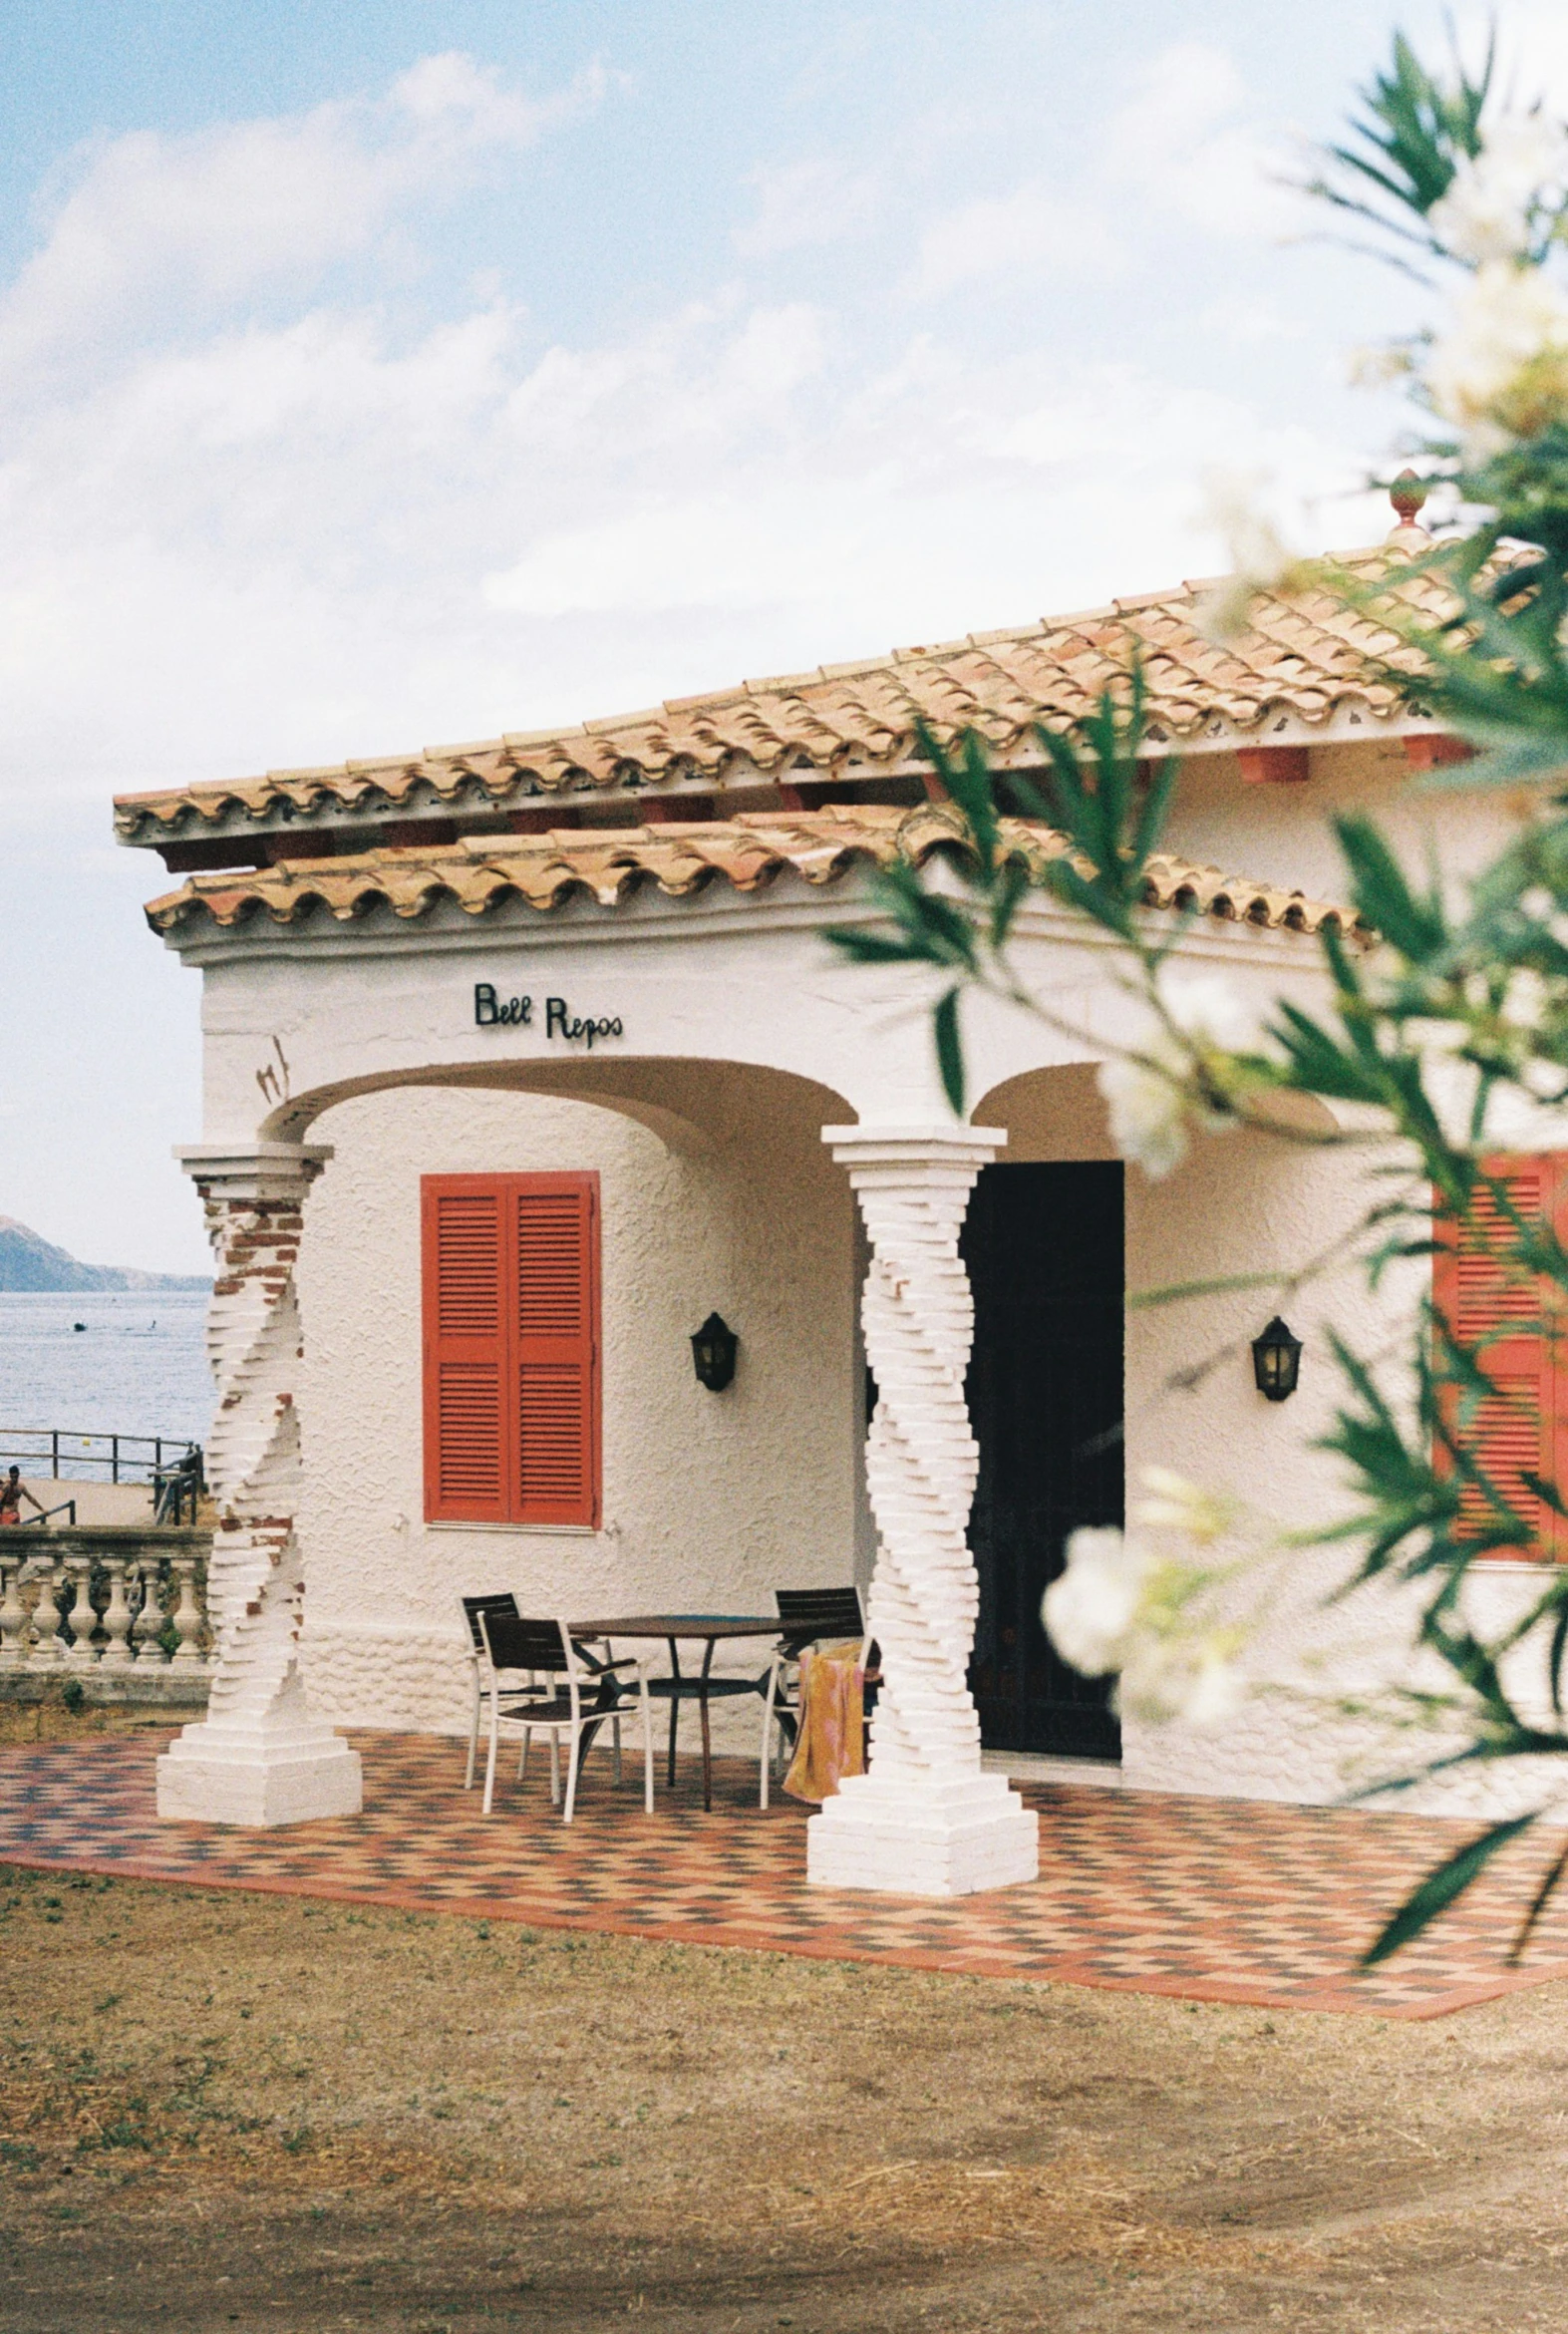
x,y
379,377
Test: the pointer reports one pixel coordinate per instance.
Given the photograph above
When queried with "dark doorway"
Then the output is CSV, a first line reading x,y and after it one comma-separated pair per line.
x,y
1044,1247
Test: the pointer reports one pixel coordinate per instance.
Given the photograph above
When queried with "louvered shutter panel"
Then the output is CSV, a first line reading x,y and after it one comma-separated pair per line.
x,y
1518,1430
555,1348
466,1381
511,1349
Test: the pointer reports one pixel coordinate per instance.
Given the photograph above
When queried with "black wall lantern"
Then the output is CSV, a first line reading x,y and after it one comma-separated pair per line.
x,y
714,1349
1276,1361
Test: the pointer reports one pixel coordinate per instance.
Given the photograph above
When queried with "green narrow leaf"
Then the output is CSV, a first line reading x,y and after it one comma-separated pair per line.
x,y
970,787
874,947
1443,1885
1180,1291
950,1051
1554,1659
1151,818
1014,884
1538,1903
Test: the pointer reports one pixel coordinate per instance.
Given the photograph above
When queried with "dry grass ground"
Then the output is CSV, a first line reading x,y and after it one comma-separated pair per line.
x,y
222,2110
51,1720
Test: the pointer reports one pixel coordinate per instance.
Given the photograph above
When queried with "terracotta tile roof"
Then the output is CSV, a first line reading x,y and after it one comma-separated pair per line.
x,y
1306,655
544,871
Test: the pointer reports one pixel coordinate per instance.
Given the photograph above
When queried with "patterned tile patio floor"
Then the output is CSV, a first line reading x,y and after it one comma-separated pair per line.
x,y
1202,1899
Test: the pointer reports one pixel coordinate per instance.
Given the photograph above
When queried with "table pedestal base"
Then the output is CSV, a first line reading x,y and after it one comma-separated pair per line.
x,y
920,1834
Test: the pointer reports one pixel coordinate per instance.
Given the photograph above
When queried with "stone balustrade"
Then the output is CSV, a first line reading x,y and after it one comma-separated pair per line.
x,y
115,1608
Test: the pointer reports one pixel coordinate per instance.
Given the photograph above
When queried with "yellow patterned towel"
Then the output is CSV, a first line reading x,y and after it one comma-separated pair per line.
x,y
831,1741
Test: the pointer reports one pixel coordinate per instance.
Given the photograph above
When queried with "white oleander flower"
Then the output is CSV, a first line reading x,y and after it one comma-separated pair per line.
x,y
1089,1611
1118,1606
1381,365
1178,1505
1500,372
1526,1001
1148,1115
1168,1678
1148,1092
1438,1043
1490,210
1207,1010
1543,1079
1215,1692
1260,558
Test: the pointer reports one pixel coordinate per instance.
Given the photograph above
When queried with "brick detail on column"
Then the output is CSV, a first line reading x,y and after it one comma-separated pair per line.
x,y
925,1821
259,1756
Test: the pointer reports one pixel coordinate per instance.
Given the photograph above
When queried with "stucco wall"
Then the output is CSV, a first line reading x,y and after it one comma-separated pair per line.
x,y
1251,1203
1284,834
1245,1203
709,1501
715,1500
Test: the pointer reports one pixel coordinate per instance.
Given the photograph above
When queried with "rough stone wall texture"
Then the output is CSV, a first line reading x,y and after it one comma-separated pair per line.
x,y
709,1501
1245,1203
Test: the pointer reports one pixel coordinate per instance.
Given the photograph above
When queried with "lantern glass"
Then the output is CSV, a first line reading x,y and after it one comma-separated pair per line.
x,y
1276,1361
714,1348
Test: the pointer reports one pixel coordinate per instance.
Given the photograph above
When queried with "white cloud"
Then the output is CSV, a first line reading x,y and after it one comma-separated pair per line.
x,y
1247,322
813,202
1024,236
296,544
245,539
169,225
1177,140
1532,48
751,547
257,507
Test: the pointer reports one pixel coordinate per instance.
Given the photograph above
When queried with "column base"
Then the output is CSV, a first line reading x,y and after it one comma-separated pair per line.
x,y
923,1835
213,1774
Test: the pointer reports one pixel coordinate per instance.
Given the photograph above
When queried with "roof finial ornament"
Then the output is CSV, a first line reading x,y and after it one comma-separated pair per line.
x,y
1407,494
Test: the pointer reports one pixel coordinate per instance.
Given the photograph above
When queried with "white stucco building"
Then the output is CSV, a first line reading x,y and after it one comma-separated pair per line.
x,y
564,1001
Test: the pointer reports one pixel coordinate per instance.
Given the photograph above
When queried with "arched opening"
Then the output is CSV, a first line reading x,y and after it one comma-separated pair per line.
x,y
688,1104
716,1194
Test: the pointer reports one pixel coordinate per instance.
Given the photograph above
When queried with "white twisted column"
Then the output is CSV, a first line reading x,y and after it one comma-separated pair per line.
x,y
926,1820
259,1756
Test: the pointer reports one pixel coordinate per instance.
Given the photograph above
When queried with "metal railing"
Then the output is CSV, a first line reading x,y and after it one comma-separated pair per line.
x,y
31,1523
176,1490
129,1458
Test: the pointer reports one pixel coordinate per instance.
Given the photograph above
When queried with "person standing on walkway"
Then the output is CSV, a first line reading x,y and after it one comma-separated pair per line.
x,y
12,1493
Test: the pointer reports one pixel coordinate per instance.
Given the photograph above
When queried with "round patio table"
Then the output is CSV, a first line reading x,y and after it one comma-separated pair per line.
x,y
707,1629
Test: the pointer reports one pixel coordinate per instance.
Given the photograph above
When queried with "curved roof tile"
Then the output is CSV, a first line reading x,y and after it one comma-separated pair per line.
x,y
1306,653
544,871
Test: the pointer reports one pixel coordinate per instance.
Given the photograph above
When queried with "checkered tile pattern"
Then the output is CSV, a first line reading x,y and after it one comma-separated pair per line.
x,y
1216,1901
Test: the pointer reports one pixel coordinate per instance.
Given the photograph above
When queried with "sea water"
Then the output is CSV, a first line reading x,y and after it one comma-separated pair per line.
x,y
136,1366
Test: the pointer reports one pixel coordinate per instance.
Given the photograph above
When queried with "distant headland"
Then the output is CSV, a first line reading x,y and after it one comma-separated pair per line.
x,y
29,1265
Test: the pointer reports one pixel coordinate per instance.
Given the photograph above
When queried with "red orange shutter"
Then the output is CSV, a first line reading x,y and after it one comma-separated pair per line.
x,y
1524,1427
555,1349
511,1348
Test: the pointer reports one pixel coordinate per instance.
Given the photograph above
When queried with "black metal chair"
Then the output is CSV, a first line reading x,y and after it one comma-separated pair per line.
x,y
808,1616
554,1678
681,1686
502,1602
